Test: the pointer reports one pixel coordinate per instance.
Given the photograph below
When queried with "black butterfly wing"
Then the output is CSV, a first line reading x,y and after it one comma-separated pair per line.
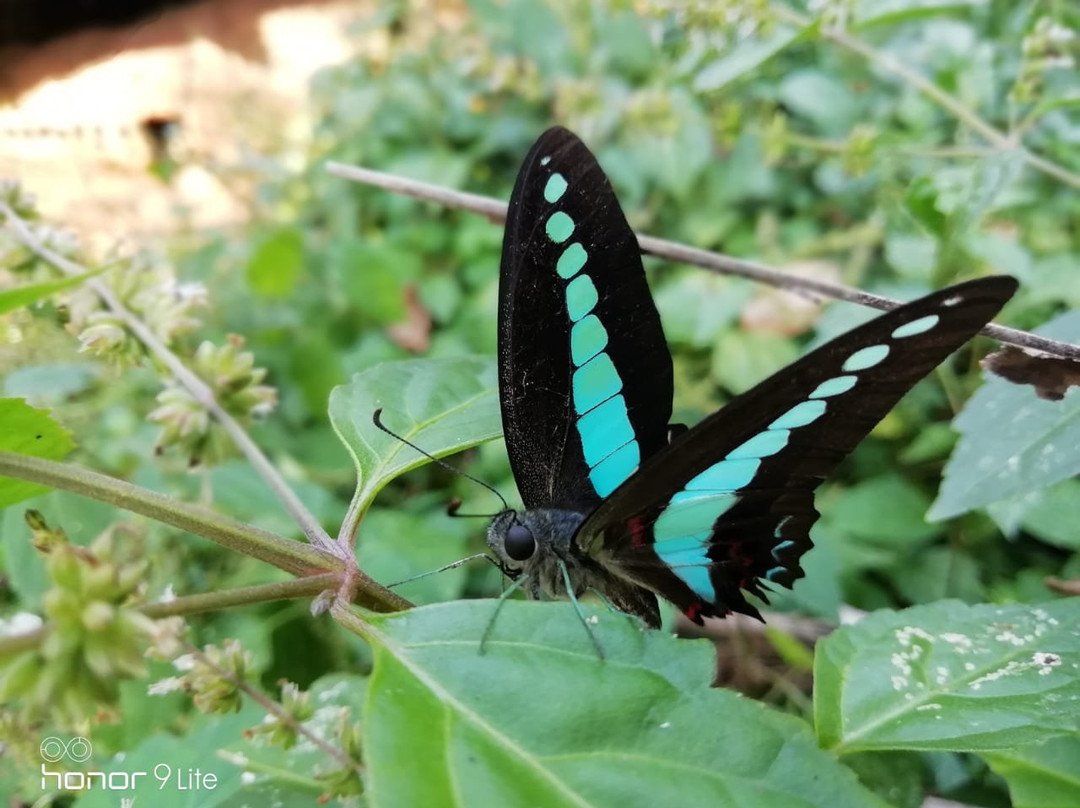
x,y
729,504
584,371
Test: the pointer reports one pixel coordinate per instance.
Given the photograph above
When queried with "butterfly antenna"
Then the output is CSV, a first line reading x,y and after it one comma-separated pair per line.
x,y
452,508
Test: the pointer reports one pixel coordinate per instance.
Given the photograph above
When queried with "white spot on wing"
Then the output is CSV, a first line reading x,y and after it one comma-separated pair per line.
x,y
952,301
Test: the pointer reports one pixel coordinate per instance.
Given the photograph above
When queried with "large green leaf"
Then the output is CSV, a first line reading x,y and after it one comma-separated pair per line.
x,y
11,299
1041,776
441,405
949,676
1012,442
169,763
539,719
28,431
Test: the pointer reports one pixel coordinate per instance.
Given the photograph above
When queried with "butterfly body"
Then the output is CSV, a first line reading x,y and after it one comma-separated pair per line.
x,y
616,499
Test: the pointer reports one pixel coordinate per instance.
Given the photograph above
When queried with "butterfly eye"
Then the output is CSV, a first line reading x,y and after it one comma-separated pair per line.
x,y
519,544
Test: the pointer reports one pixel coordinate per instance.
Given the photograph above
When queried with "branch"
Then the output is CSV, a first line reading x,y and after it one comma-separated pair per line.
x,y
495,211
306,586
286,554
191,382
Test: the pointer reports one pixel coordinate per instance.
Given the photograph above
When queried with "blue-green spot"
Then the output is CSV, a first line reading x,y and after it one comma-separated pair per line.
x,y
866,357
555,188
581,297
919,326
610,472
588,337
725,476
692,566
834,387
763,444
781,547
800,415
692,518
604,429
571,261
683,544
594,382
559,227
771,574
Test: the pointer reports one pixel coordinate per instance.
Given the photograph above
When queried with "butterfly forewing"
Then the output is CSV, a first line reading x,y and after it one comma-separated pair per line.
x,y
584,371
729,504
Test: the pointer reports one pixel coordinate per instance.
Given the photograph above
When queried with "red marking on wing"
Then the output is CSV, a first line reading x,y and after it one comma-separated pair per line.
x,y
693,612
637,531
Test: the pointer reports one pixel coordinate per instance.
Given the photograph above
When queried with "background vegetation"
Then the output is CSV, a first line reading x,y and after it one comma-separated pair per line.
x,y
894,146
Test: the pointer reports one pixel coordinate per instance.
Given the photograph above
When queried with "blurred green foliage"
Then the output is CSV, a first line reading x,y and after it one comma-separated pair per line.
x,y
726,126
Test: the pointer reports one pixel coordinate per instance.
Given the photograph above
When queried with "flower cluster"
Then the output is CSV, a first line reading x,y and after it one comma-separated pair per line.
x,y
1049,46
96,635
237,386
147,288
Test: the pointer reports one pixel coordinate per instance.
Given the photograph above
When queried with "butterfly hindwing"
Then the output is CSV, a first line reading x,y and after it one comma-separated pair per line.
x,y
584,371
729,504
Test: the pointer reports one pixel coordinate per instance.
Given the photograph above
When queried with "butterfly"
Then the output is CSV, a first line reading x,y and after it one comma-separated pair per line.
x,y
617,499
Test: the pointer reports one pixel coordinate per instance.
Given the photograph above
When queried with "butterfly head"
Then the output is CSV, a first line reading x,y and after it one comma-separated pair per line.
x,y
522,539
512,537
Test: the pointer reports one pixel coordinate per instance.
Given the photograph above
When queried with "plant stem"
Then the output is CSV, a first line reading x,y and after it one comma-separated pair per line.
x,y
962,113
286,554
191,382
495,211
306,586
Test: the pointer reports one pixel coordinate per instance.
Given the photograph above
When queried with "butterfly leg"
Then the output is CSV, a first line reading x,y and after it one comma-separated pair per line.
x,y
518,582
577,608
453,565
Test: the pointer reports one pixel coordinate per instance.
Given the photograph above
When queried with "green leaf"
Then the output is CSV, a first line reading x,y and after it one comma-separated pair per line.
x,y
397,545
697,307
951,677
540,720
870,13
52,382
1043,775
274,268
896,777
886,511
374,277
28,431
1012,442
820,98
1054,515
11,299
741,359
169,763
747,55
442,405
